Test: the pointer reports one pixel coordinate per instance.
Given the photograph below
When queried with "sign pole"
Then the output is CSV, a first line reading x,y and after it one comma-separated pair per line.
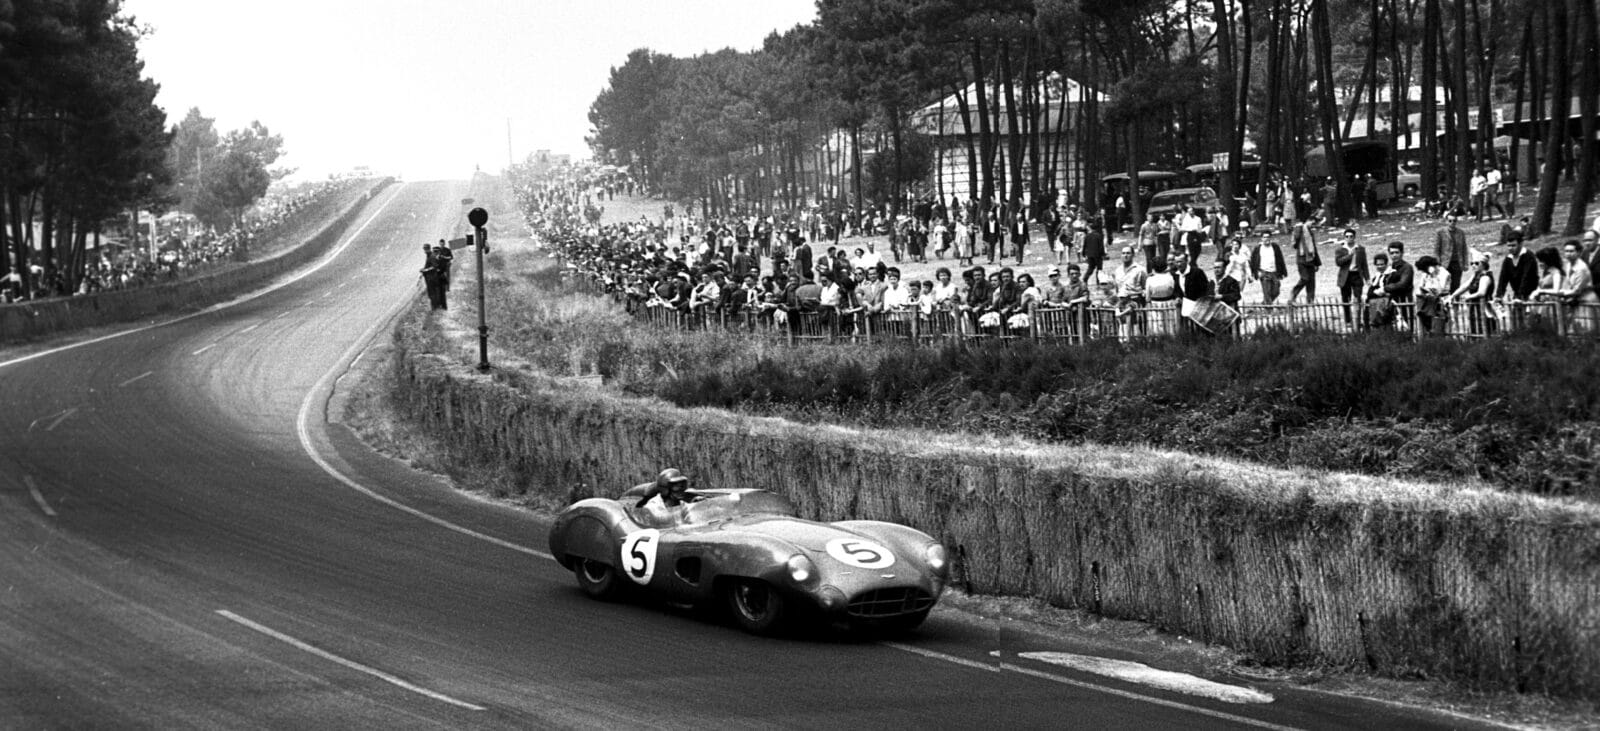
x,y
478,217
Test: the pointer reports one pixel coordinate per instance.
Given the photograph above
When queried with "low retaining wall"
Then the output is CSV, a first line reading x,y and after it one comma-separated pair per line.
x,y
1500,591
21,321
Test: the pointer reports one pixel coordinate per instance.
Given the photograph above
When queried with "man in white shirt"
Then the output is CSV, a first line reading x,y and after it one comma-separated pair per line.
x,y
1491,190
1130,293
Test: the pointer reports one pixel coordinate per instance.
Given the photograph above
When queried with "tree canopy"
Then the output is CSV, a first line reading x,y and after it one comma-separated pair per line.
x,y
800,118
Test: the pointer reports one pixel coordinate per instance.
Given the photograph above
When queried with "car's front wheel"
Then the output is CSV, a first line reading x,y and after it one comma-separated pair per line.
x,y
598,580
756,607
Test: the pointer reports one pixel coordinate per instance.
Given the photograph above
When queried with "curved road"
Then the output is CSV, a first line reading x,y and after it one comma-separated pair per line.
x,y
186,541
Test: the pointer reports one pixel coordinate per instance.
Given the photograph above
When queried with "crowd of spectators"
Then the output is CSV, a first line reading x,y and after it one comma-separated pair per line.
x,y
770,266
179,252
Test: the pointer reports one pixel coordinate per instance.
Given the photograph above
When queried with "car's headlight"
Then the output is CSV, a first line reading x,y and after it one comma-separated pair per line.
x,y
936,558
801,570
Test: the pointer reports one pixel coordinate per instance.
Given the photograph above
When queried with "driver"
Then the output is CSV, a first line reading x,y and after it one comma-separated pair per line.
x,y
671,486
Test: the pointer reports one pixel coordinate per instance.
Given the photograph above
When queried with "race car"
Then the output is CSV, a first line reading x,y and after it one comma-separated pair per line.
x,y
747,549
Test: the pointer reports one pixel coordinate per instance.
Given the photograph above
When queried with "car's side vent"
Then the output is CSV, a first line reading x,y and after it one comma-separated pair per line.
x,y
688,569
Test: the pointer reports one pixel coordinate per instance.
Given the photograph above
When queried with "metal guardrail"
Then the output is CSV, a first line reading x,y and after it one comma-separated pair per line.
x,y
1081,323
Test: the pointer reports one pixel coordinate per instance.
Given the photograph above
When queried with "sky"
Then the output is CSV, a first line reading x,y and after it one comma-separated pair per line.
x,y
426,90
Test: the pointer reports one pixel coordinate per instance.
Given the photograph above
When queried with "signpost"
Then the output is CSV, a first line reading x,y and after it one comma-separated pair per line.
x,y
478,217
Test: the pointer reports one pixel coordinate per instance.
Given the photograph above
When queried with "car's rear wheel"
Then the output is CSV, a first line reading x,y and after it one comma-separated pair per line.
x,y
597,579
756,607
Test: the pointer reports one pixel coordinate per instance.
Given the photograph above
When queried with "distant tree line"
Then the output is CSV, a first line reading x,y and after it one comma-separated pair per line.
x,y
1184,78
83,143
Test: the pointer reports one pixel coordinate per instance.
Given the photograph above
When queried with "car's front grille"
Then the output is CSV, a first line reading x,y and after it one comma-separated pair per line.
x,y
889,602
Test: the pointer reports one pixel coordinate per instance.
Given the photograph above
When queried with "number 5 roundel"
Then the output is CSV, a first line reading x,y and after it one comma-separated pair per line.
x,y
860,553
639,555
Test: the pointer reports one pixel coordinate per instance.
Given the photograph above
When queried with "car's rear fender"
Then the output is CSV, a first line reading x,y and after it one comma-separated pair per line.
x,y
588,530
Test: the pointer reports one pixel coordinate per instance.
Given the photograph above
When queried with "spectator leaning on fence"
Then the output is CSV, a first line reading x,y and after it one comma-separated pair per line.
x,y
1577,288
1432,283
1399,282
1519,272
1379,309
1130,288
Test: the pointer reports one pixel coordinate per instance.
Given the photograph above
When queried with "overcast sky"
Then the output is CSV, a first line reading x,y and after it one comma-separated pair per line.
x,y
423,89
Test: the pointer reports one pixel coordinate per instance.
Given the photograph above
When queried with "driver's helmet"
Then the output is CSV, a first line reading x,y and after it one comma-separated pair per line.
x,y
672,482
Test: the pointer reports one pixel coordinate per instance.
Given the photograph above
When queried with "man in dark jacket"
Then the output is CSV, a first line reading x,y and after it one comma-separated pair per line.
x,y
1398,282
1519,271
1269,267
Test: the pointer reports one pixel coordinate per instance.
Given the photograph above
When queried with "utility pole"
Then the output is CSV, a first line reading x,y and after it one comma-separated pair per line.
x,y
480,236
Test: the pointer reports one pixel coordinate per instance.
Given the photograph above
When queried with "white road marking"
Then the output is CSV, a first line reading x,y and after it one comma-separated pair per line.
x,y
1000,666
59,417
282,315
1244,720
248,329
220,306
974,664
145,374
38,497
1138,672
202,350
353,665
303,427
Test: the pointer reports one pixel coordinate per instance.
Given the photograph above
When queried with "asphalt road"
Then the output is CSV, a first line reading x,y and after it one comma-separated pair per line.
x,y
186,541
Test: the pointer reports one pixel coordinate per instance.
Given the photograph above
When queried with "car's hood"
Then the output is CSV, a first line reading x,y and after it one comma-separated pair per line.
x,y
808,535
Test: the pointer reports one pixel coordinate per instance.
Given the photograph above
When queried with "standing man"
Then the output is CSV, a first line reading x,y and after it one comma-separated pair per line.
x,y
1307,261
1450,248
1491,190
1019,229
443,258
1398,282
430,278
1519,277
1147,241
1094,254
1130,293
1591,250
1267,265
1351,258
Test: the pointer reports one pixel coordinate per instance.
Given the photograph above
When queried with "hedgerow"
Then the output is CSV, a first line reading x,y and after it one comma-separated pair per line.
x,y
1521,413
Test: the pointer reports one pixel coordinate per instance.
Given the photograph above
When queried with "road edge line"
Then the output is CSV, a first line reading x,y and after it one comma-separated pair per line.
x,y
353,665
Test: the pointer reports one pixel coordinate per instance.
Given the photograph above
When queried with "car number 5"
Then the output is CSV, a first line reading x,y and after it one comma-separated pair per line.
x,y
860,553
639,555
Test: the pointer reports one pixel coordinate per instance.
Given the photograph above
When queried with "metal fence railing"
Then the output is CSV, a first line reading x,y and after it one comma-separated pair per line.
x,y
1081,323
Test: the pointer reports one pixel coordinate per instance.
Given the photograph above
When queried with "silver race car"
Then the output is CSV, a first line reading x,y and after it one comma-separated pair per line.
x,y
747,549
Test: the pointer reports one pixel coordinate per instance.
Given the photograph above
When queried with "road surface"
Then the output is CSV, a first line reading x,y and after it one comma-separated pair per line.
x,y
186,541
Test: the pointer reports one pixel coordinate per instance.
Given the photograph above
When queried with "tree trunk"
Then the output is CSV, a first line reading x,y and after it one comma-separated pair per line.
x,y
985,132
1583,13
1430,103
1524,67
1555,135
1328,111
1465,164
1241,116
1227,105
1014,127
